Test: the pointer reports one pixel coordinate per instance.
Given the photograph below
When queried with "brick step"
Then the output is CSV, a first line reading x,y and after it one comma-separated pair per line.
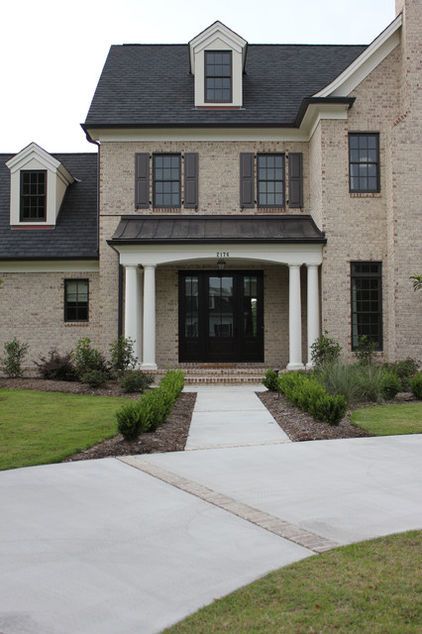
x,y
223,380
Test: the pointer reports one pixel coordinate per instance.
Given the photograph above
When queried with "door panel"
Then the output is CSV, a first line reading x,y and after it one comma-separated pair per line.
x,y
221,316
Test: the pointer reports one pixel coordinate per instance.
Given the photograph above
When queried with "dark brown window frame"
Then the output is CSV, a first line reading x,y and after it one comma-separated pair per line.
x,y
66,316
376,163
283,180
23,196
369,275
206,100
154,180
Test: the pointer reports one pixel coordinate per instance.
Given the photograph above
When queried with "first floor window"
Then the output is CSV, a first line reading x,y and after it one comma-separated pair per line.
x,y
166,169
366,280
364,162
76,300
270,169
33,205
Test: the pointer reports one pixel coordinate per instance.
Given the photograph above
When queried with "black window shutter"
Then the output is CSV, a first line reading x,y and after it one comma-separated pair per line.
x,y
247,189
191,180
295,180
141,181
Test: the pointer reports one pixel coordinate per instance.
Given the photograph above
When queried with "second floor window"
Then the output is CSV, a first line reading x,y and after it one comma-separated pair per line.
x,y
364,172
33,204
270,178
218,76
166,175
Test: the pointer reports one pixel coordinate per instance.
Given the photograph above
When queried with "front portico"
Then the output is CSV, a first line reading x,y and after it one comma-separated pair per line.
x,y
235,250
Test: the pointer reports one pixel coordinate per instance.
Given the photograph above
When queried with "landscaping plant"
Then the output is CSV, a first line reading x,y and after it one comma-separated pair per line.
x,y
135,381
309,394
325,350
122,355
14,354
152,408
365,350
405,370
57,367
416,385
270,380
91,366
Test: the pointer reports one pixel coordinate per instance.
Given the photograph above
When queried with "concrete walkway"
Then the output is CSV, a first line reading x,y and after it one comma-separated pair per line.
x,y
231,416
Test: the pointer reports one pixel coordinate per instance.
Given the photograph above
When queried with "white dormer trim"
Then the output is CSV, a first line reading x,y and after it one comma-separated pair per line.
x,y
34,157
367,61
217,37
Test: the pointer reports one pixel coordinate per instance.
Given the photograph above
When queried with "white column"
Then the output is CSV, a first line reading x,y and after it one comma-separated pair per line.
x,y
295,319
148,348
313,309
132,305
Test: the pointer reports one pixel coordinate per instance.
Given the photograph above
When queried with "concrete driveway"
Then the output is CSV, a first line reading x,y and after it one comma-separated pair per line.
x,y
104,546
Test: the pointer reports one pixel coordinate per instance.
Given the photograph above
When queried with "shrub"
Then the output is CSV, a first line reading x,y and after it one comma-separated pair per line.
x,y
57,367
271,380
390,383
416,385
325,350
122,354
341,379
87,359
365,350
15,352
152,409
405,370
307,393
94,378
129,421
135,381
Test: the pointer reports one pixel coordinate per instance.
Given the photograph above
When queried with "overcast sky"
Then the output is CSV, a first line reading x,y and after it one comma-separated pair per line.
x,y
52,53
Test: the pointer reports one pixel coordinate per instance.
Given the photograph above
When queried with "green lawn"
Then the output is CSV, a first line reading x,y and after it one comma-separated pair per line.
x,y
42,427
373,587
387,420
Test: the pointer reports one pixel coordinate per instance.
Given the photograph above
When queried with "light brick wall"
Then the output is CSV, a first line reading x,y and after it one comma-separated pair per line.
x,y
218,174
32,310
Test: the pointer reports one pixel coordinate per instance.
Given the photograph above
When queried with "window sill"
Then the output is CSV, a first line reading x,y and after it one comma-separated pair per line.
x,y
79,324
365,194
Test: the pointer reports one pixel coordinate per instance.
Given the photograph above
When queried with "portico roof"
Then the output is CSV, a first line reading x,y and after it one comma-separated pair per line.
x,y
214,229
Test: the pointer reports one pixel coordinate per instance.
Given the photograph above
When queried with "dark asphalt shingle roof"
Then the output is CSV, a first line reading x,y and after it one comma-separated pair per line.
x,y
75,234
151,85
196,229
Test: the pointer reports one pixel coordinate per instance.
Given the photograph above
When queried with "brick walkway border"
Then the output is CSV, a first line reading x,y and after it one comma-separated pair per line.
x,y
307,539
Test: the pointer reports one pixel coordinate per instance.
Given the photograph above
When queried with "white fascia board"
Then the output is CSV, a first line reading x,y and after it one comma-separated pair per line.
x,y
49,266
367,61
215,30
49,162
161,254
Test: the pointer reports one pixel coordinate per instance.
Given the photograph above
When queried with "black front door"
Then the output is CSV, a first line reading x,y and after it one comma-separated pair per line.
x,y
221,316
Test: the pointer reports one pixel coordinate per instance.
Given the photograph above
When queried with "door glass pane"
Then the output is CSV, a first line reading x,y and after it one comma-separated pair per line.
x,y
220,306
191,307
250,306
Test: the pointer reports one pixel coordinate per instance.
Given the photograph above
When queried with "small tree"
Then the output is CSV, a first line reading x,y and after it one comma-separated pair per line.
x,y
325,350
15,352
122,354
417,282
365,350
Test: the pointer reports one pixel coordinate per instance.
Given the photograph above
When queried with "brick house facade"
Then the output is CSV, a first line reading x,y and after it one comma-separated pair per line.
x,y
249,197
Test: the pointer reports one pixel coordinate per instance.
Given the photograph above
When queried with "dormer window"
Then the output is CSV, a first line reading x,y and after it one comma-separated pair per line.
x,y
33,203
218,76
38,184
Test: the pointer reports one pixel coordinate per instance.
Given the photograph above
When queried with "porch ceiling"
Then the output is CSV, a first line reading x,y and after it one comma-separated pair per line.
x,y
213,229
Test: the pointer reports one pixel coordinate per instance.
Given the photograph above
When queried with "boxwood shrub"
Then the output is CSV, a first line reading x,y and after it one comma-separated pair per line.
x,y
270,380
307,393
152,408
416,385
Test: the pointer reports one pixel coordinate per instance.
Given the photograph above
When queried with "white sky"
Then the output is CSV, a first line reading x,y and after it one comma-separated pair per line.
x,y
52,53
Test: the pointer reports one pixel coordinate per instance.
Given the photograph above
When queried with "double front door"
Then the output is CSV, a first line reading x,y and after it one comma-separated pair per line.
x,y
221,316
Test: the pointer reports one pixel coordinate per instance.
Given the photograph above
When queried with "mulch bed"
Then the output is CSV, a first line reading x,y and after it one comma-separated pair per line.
x,y
300,426
171,436
112,388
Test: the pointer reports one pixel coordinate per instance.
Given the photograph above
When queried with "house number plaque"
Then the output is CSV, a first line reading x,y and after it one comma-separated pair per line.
x,y
223,254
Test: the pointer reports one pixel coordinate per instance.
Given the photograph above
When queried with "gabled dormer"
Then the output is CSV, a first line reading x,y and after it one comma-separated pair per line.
x,y
217,58
38,183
